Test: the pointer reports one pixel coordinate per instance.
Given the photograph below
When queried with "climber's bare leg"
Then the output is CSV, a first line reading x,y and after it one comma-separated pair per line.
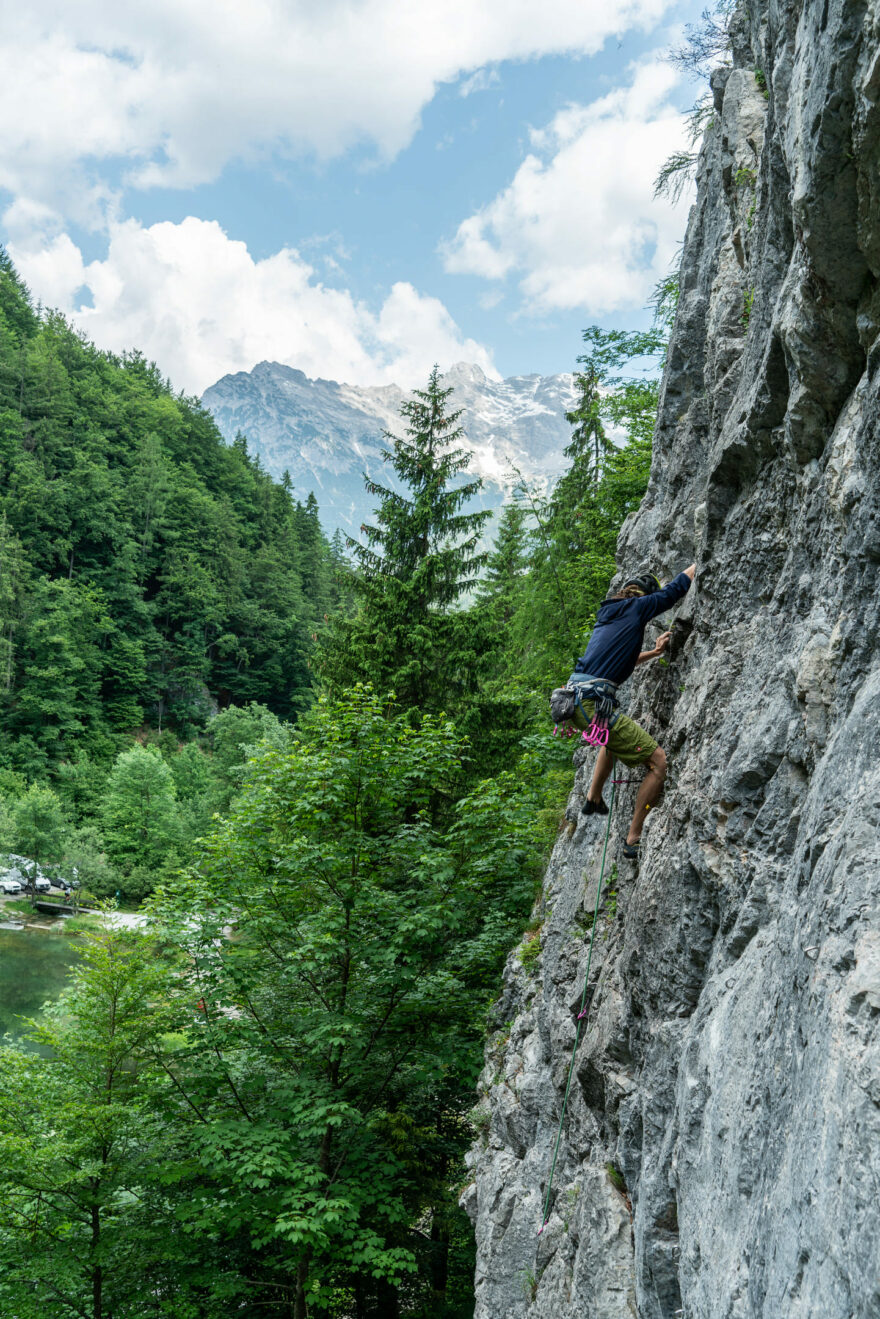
x,y
649,791
604,766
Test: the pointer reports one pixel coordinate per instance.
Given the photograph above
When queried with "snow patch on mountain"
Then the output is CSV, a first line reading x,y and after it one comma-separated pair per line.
x,y
328,435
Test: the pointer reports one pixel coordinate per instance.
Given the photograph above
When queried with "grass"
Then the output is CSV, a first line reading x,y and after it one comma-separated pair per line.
x,y
616,1178
79,924
480,1119
23,906
530,951
530,1284
748,303
18,907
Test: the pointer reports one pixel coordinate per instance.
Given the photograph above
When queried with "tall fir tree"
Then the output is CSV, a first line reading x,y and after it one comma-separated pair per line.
x,y
589,439
503,582
414,565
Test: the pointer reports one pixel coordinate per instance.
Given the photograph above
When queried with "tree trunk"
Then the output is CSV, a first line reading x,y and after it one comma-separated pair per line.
x,y
97,1271
389,1303
301,1310
439,1261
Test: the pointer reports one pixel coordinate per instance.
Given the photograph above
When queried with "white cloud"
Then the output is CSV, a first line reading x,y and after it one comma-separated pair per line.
x,y
198,303
578,224
172,90
480,81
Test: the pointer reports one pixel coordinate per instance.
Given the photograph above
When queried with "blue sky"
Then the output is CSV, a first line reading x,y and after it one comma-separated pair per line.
x,y
356,189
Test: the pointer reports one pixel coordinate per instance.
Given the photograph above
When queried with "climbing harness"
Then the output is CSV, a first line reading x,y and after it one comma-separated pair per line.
x,y
581,1015
564,701
603,694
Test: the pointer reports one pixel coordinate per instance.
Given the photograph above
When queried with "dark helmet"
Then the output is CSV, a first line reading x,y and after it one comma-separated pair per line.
x,y
646,582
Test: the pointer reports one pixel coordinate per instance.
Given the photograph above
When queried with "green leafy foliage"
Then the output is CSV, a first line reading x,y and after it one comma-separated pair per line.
x,y
149,574
748,303
616,1177
37,827
331,1049
86,1228
141,821
530,951
274,1123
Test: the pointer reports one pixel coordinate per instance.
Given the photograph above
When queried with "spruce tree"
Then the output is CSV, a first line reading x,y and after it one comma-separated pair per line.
x,y
414,565
506,566
589,439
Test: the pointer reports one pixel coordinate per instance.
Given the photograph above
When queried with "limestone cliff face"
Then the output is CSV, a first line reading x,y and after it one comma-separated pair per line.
x,y
731,1067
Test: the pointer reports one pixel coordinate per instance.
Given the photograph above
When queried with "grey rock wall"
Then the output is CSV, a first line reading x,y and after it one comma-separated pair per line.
x,y
720,1157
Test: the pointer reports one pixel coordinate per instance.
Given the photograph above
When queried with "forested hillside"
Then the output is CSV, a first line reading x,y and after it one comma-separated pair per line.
x,y
150,576
150,571
261,1105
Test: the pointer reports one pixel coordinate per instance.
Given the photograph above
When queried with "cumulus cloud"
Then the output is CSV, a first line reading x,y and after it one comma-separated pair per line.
x,y
198,303
578,225
171,91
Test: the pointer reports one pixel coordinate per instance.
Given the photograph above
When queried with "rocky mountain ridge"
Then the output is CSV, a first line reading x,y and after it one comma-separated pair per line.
x,y
720,1157
327,434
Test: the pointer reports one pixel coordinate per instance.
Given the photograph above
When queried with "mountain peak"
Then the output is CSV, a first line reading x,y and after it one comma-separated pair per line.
x,y
469,371
329,434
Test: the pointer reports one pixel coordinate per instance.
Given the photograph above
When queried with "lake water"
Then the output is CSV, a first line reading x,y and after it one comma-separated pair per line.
x,y
33,969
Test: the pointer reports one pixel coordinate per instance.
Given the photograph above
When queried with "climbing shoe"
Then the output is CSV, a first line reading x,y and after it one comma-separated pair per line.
x,y
631,850
594,808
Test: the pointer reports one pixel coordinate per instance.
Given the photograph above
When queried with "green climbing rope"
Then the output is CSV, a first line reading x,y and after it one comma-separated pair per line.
x,y
577,1036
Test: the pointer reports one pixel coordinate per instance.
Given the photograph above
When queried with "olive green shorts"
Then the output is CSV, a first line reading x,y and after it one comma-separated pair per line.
x,y
627,741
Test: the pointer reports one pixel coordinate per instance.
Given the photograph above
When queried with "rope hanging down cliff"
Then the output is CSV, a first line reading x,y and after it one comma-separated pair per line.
x,y
581,1015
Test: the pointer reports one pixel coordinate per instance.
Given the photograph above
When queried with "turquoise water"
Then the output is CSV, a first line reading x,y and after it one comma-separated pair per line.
x,y
33,969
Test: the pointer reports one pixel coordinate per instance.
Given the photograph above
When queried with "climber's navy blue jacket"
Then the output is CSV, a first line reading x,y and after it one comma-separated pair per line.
x,y
616,640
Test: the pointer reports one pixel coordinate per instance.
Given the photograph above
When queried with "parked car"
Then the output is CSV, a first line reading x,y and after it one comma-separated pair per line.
x,y
42,884
9,886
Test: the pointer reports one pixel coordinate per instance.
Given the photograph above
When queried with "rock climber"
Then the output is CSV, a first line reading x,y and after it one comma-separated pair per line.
x,y
614,650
